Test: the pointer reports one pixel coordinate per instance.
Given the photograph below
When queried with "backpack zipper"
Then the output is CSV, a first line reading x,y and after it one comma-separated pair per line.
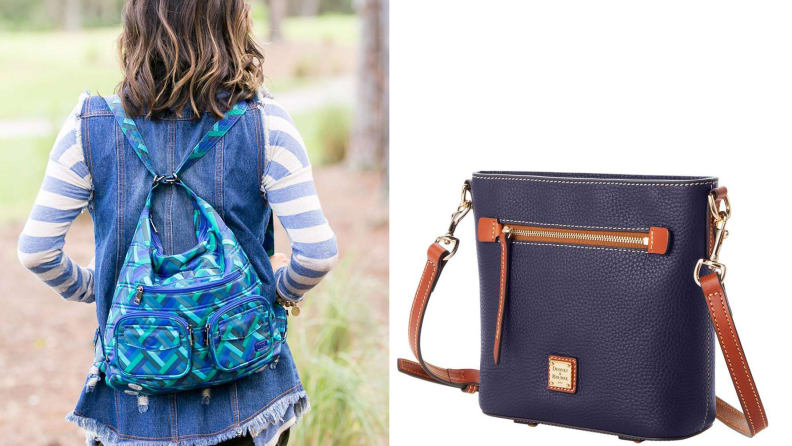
x,y
152,289
160,314
219,312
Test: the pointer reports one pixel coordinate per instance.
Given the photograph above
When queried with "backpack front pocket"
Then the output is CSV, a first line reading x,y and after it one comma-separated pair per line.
x,y
152,346
241,334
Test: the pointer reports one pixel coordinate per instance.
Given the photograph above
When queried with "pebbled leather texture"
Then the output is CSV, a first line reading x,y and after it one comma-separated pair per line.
x,y
635,322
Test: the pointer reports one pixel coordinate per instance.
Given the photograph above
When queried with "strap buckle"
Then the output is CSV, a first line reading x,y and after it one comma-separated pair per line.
x,y
451,244
167,179
720,215
465,205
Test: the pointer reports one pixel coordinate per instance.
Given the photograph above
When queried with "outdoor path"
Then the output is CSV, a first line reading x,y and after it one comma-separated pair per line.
x,y
25,128
338,90
46,347
331,91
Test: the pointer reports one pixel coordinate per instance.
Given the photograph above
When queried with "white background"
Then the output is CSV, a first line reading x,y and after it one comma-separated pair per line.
x,y
682,88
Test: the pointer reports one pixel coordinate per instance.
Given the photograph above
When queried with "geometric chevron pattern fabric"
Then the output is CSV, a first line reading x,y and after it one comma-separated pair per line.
x,y
193,319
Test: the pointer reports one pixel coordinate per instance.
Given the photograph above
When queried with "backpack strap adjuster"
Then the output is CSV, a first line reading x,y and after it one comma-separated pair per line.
x,y
167,179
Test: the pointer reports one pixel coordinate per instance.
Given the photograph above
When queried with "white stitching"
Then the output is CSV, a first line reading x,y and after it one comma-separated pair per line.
x,y
501,297
709,376
639,251
732,410
742,359
423,300
508,220
731,424
573,363
726,355
612,183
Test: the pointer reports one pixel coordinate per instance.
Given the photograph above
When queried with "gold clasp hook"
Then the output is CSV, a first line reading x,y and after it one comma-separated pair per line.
x,y
720,215
464,207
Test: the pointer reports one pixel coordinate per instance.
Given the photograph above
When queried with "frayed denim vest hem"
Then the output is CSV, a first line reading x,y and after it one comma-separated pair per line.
x,y
292,405
246,406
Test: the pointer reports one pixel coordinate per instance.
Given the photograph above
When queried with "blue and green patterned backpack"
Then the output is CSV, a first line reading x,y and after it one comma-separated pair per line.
x,y
191,320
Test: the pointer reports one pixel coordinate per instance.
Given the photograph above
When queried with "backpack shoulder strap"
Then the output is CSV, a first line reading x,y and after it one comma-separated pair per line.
x,y
130,130
209,140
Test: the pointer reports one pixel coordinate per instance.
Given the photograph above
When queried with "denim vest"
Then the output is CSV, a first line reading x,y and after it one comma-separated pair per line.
x,y
229,178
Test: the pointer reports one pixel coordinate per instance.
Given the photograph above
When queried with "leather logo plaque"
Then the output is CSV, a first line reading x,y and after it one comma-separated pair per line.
x,y
562,374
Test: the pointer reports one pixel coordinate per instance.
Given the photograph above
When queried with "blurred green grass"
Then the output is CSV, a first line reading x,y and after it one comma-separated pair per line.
x,y
44,73
335,28
340,350
326,133
22,164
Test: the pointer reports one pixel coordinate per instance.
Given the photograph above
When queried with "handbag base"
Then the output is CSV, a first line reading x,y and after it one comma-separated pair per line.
x,y
621,436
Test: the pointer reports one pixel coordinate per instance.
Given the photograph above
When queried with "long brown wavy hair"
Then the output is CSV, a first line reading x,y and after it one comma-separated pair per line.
x,y
180,52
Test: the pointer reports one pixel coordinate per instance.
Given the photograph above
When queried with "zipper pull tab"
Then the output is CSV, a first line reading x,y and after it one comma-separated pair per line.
x,y
139,294
503,290
206,335
151,220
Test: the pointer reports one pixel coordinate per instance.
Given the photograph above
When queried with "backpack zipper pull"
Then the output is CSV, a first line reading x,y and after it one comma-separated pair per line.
x,y
151,220
139,294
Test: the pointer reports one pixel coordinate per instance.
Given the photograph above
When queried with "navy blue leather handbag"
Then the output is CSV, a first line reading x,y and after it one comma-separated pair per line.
x,y
592,314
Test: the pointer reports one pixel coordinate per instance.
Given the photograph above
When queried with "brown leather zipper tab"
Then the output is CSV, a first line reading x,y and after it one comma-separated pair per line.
x,y
658,240
488,229
504,239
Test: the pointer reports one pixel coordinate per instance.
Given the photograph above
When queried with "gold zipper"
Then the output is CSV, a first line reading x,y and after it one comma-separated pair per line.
x,y
654,241
599,237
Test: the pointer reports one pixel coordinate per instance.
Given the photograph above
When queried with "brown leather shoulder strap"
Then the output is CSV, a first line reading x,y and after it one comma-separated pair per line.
x,y
754,418
748,423
465,379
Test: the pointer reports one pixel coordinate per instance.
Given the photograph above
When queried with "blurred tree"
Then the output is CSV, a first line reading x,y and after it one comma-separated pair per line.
x,y
16,14
102,12
64,14
74,14
315,7
309,7
336,6
369,148
72,17
277,11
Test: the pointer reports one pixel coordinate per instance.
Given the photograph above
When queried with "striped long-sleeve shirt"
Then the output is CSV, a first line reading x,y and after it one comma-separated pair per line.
x,y
287,182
